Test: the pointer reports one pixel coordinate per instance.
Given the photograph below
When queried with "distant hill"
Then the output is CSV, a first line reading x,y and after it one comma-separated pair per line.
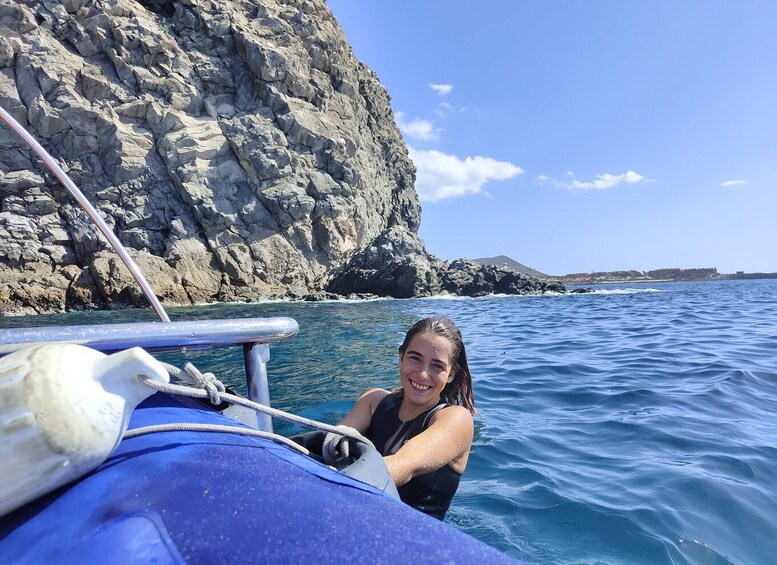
x,y
502,260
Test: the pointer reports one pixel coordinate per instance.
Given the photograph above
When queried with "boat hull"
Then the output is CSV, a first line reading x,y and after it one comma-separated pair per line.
x,y
211,497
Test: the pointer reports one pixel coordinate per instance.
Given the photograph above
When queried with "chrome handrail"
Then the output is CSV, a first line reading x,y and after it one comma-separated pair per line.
x,y
253,334
155,336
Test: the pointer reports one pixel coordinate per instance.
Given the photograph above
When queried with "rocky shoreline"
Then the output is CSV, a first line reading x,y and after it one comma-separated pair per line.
x,y
395,265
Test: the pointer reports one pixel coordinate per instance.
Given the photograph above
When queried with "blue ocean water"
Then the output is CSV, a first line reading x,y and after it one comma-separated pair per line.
x,y
636,424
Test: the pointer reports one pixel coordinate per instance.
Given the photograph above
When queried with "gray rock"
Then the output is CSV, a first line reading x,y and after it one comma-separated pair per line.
x,y
229,120
582,290
238,149
396,264
468,278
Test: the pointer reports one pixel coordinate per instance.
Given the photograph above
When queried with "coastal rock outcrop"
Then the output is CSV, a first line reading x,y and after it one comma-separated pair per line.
x,y
467,278
237,148
396,264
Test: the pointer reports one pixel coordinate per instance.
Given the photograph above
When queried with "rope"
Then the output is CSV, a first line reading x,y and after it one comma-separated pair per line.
x,y
209,386
240,401
213,428
334,447
192,375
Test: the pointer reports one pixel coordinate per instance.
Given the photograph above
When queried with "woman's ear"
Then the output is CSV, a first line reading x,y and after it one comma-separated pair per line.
x,y
451,377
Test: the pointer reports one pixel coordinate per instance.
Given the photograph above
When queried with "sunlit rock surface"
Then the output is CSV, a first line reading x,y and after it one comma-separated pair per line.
x,y
237,147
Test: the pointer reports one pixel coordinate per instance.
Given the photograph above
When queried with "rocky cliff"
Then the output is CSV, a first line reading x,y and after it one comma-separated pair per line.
x,y
237,147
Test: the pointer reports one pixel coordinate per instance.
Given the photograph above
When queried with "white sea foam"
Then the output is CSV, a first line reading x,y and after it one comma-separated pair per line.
x,y
545,294
622,291
454,297
443,296
353,300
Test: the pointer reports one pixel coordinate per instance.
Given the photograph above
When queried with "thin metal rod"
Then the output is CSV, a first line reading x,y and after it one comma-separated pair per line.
x,y
89,209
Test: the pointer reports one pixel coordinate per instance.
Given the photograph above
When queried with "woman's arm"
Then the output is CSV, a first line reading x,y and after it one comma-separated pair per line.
x,y
447,440
360,415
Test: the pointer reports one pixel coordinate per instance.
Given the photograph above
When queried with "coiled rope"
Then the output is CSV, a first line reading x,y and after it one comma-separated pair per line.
x,y
206,385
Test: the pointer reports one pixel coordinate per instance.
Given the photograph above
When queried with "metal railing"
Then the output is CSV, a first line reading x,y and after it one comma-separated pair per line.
x,y
253,334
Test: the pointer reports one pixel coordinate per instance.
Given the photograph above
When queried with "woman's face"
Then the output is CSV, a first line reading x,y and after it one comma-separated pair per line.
x,y
425,368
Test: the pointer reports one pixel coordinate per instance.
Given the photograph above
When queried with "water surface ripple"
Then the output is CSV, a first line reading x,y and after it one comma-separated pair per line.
x,y
631,425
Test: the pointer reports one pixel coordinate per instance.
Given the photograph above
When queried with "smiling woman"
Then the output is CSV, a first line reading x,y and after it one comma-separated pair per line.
x,y
423,429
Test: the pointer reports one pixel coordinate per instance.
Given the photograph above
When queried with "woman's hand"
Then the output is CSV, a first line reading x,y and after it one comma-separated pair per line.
x,y
446,441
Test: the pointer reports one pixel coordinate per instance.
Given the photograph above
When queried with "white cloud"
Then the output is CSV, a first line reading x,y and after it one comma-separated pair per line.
x,y
441,89
542,179
605,181
440,176
733,182
423,130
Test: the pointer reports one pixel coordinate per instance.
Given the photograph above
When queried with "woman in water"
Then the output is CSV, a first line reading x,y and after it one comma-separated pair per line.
x,y
423,429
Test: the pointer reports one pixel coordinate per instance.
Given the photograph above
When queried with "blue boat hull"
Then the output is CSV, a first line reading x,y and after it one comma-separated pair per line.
x,y
192,497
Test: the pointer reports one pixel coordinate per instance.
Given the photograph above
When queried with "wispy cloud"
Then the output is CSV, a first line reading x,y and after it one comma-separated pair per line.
x,y
419,129
606,180
542,179
445,109
440,176
600,182
734,182
441,89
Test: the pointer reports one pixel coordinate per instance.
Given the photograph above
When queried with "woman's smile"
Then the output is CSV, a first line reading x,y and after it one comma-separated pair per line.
x,y
425,368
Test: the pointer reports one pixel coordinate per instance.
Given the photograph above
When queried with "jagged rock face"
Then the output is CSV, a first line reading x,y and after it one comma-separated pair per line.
x,y
237,148
467,278
397,264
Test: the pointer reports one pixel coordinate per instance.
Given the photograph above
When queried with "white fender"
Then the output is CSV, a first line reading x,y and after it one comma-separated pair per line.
x,y
63,410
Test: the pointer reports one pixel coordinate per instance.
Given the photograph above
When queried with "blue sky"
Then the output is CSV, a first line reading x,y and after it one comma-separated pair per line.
x,y
585,136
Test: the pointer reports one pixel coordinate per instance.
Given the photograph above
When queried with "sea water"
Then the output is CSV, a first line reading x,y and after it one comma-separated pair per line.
x,y
634,424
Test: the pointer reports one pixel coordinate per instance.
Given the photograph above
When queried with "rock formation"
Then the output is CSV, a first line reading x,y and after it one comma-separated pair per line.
x,y
396,264
237,147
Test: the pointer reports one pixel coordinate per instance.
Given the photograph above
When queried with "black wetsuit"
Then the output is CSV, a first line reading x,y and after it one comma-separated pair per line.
x,y
431,492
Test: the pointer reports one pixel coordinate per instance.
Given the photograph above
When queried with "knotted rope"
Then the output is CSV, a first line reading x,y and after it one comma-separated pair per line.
x,y
206,385
198,379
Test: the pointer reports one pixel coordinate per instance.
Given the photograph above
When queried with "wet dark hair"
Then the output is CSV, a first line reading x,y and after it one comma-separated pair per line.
x,y
459,390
